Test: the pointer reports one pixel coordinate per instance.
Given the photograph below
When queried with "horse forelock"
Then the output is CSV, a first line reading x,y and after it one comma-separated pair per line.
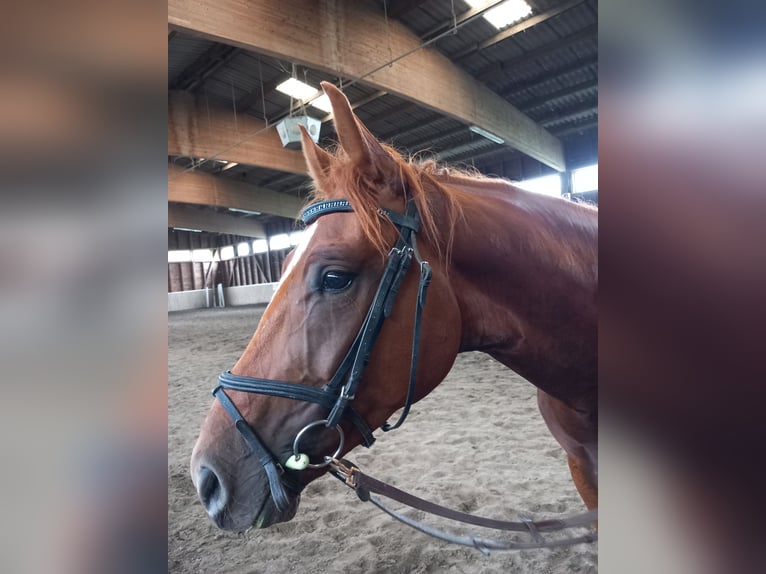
x,y
437,205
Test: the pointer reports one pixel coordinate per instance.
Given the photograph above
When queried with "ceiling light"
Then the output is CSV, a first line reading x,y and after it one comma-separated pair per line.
x,y
489,135
505,14
296,89
323,103
245,211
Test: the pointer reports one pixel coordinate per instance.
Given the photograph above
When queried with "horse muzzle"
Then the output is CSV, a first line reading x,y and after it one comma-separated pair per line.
x,y
238,503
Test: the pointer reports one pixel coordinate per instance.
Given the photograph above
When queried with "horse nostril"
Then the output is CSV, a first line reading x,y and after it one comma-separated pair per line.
x,y
210,491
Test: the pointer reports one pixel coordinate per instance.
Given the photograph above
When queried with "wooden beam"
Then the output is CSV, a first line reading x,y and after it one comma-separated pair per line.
x,y
351,39
189,217
197,130
440,28
517,29
188,186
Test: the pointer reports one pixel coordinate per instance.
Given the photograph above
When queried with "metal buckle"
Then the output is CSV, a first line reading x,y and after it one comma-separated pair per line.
x,y
348,472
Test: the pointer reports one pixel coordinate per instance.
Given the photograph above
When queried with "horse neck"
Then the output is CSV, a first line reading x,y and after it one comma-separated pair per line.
x,y
524,272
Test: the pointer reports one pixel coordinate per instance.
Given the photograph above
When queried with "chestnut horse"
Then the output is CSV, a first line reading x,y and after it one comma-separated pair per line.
x,y
513,274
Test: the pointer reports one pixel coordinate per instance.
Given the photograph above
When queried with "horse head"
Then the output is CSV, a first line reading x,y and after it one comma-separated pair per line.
x,y
324,296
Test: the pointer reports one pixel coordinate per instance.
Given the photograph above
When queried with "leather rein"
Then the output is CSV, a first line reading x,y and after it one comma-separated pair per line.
x,y
340,391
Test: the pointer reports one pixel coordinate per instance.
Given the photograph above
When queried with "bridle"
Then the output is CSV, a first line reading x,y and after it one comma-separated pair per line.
x,y
340,391
337,395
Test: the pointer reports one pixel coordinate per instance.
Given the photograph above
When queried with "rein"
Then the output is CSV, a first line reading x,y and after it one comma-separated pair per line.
x,y
365,485
340,391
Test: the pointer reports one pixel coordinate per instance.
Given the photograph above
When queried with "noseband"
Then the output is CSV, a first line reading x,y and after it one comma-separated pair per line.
x,y
340,391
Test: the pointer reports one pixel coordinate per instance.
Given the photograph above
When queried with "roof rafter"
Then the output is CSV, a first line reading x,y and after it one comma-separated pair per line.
x,y
195,187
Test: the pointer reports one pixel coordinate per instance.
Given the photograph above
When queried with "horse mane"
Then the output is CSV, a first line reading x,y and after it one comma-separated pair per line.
x,y
441,193
419,181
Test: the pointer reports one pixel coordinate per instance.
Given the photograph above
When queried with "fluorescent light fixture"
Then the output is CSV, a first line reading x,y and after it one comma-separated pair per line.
x,y
545,185
243,249
296,89
180,256
187,229
246,211
585,179
281,241
489,135
260,246
200,255
229,165
505,14
323,103
227,252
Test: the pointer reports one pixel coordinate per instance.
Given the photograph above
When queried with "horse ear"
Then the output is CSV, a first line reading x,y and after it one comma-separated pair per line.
x,y
317,159
360,145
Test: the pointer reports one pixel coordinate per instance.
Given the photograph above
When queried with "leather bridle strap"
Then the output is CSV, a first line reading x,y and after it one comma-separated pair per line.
x,y
272,468
425,280
365,485
293,391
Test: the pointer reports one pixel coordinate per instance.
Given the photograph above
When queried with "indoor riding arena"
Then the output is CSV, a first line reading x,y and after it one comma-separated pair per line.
x,y
503,88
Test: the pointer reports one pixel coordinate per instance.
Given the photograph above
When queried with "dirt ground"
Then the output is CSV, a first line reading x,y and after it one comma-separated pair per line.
x,y
477,443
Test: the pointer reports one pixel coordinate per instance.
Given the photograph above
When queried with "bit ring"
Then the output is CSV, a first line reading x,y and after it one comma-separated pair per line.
x,y
327,459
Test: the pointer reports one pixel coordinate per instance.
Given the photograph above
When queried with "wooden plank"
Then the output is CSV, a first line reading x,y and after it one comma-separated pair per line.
x,y
189,217
201,131
205,189
351,39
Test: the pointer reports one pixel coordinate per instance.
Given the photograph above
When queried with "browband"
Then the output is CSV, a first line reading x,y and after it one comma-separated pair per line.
x,y
315,210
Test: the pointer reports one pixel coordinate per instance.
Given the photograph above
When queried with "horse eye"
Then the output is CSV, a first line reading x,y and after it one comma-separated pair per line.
x,y
336,281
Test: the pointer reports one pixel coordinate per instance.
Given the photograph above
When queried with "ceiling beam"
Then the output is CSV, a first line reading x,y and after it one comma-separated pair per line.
x,y
189,186
197,130
351,39
492,70
439,29
516,29
190,217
